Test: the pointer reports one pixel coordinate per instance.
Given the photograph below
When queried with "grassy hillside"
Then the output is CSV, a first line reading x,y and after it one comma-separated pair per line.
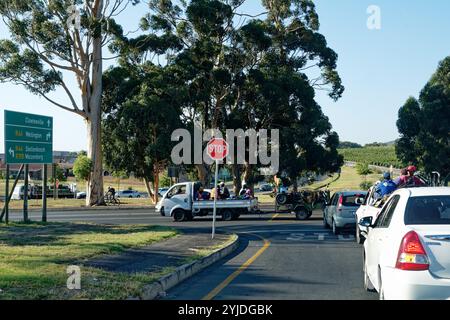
x,y
349,180
382,156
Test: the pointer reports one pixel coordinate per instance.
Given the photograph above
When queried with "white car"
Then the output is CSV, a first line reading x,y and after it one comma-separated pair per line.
x,y
128,194
407,250
367,209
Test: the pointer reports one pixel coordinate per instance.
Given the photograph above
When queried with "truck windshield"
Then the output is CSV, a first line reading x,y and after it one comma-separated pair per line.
x,y
176,190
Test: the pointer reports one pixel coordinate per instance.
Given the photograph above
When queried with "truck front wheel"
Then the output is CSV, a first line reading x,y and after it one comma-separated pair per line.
x,y
179,215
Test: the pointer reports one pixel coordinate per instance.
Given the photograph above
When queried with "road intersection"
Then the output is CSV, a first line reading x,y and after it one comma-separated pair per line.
x,y
278,257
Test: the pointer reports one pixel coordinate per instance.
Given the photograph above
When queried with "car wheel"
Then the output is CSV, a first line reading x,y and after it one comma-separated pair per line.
x,y
227,215
368,286
179,215
336,229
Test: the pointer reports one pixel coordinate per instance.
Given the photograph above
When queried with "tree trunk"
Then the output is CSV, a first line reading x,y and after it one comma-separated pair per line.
x,y
248,175
151,193
94,194
155,183
94,112
203,173
237,181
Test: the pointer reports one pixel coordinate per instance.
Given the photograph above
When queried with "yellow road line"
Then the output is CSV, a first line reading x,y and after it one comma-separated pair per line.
x,y
233,276
274,217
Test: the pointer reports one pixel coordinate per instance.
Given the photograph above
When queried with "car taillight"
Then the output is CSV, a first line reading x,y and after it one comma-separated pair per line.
x,y
412,255
341,200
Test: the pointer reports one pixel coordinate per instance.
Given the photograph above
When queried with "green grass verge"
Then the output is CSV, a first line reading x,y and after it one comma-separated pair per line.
x,y
34,259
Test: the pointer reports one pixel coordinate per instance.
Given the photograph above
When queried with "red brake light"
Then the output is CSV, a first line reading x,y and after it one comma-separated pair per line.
x,y
341,200
411,254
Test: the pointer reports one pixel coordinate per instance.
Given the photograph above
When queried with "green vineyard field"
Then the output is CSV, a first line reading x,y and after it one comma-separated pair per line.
x,y
380,156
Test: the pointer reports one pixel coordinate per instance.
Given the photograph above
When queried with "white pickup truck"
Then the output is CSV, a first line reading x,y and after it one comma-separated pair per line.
x,y
179,202
369,208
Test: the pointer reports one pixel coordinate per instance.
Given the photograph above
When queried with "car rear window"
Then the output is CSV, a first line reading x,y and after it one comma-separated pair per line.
x,y
428,210
350,200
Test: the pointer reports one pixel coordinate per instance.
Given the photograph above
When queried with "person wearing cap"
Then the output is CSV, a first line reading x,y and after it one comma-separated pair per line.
x,y
412,180
386,187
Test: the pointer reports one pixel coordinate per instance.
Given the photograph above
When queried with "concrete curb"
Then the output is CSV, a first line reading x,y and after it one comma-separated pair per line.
x,y
159,287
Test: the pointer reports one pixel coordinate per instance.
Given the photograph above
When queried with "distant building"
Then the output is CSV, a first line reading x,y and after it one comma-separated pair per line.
x,y
64,159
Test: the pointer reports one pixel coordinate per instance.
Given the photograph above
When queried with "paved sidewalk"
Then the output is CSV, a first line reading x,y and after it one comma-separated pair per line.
x,y
173,252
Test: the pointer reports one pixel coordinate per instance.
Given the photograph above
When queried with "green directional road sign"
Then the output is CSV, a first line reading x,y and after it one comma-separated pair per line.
x,y
28,138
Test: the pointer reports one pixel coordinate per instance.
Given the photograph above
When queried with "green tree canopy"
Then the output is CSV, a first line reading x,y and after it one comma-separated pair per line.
x,y
424,124
82,168
141,111
50,40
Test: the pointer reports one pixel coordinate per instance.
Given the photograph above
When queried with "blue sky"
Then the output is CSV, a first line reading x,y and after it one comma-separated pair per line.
x,y
380,68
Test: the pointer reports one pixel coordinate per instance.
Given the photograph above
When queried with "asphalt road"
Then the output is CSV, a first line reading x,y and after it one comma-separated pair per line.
x,y
278,258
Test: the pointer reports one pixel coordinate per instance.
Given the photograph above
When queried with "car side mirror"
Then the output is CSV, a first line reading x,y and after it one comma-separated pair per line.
x,y
366,222
359,201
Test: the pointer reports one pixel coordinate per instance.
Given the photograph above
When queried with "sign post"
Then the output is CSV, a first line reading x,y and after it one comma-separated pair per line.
x,y
26,193
44,193
28,140
7,195
217,150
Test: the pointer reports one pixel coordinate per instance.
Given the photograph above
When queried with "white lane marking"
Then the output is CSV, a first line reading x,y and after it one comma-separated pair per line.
x,y
296,237
321,236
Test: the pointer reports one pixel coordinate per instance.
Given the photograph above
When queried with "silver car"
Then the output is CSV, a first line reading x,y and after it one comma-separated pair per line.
x,y
340,212
128,194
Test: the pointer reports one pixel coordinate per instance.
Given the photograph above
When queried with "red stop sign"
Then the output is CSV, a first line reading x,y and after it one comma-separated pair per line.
x,y
217,148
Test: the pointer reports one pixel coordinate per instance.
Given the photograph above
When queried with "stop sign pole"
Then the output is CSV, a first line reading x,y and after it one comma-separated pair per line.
x,y
217,150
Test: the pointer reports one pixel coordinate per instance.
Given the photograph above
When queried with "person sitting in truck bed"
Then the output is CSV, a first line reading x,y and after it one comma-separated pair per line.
x,y
224,192
402,179
413,181
202,195
245,193
385,187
